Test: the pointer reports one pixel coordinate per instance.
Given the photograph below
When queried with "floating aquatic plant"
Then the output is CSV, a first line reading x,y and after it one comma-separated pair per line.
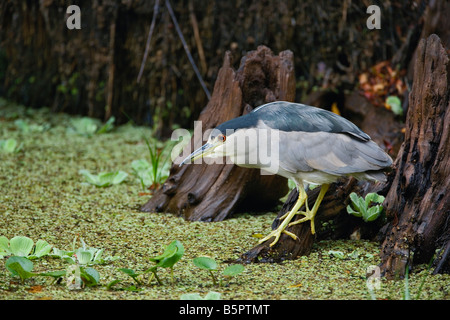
x,y
104,179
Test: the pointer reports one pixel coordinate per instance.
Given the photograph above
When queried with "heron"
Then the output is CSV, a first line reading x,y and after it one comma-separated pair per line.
x,y
306,144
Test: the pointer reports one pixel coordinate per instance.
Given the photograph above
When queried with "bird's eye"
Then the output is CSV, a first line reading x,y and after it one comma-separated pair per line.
x,y
222,138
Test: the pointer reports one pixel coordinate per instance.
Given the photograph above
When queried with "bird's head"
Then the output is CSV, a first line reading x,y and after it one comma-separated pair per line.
x,y
229,140
215,147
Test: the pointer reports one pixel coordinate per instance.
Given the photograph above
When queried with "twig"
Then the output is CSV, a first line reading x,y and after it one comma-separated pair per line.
x,y
180,34
198,40
343,20
111,71
149,38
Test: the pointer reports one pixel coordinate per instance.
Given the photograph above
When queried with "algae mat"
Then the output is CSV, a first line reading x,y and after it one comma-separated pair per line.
x,y
43,196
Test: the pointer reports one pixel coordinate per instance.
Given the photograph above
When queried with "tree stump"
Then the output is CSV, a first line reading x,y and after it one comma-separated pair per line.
x,y
418,201
203,192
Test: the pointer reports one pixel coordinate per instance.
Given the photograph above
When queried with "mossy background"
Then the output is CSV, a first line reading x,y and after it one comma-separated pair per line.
x,y
43,196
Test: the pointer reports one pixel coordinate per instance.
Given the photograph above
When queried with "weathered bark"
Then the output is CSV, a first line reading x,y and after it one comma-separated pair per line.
x,y
418,201
213,192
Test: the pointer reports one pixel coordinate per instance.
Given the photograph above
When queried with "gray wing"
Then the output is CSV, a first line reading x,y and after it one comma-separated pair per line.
x,y
332,153
288,116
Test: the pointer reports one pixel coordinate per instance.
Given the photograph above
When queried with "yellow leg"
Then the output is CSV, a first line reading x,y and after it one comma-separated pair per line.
x,y
310,214
286,219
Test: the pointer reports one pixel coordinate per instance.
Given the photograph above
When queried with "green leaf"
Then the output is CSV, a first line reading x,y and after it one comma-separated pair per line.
x,y
362,206
112,283
104,179
119,176
168,252
108,126
337,254
142,169
98,256
9,145
372,213
233,270
373,197
395,104
205,263
133,274
171,255
354,254
27,128
26,264
140,165
21,246
312,186
42,248
353,212
20,266
84,256
191,296
159,163
174,258
54,274
4,246
22,125
84,126
212,295
106,260
356,200
61,253
129,272
92,179
90,276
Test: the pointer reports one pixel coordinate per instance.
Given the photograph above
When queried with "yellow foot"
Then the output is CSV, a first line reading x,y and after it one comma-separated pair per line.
x,y
286,219
277,233
309,215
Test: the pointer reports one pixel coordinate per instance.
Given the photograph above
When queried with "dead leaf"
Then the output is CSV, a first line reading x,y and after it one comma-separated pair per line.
x,y
335,109
257,235
145,194
35,289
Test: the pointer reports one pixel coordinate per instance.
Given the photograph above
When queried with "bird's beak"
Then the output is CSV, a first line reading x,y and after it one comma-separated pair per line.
x,y
201,152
